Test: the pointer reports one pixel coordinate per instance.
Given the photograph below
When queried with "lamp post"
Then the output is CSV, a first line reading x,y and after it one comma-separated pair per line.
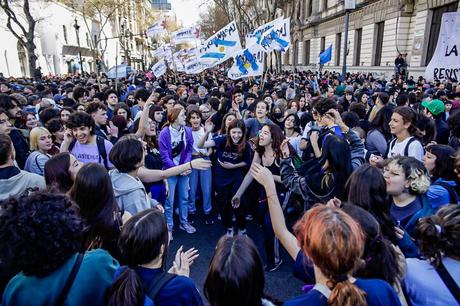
x,y
349,5
77,28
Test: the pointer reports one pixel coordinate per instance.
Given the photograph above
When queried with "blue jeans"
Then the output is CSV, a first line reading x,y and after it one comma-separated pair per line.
x,y
205,179
178,186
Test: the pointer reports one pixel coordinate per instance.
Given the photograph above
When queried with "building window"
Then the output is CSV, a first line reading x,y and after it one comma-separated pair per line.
x,y
88,42
436,27
307,52
64,31
379,28
296,53
358,42
338,46
322,44
324,5
310,8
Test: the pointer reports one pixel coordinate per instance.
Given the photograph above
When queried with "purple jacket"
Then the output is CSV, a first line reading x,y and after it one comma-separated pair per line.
x,y
166,149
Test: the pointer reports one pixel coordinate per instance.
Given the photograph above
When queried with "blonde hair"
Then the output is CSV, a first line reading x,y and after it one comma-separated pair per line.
x,y
414,171
35,134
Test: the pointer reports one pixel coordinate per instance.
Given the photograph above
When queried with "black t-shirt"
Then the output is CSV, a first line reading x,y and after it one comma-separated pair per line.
x,y
223,176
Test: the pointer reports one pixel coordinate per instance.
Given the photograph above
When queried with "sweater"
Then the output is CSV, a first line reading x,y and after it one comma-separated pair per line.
x,y
166,149
18,183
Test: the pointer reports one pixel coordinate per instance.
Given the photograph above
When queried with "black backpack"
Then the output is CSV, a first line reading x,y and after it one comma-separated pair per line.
x,y
158,282
406,149
100,148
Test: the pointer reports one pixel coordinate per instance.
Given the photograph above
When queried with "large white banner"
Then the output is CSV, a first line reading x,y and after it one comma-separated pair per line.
x,y
194,66
159,68
255,36
221,46
248,62
163,51
157,28
445,63
278,37
185,34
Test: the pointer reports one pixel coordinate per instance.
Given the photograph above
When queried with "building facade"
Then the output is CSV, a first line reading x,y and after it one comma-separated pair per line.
x,y
378,31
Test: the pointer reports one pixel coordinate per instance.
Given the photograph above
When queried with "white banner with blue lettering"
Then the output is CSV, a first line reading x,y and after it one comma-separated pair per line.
x,y
221,46
159,68
247,63
255,36
445,63
278,37
185,34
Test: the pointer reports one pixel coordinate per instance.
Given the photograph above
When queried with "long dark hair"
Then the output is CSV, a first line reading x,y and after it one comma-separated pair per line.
x,y
57,172
336,152
235,275
380,260
236,123
381,121
277,138
93,193
141,241
371,197
444,164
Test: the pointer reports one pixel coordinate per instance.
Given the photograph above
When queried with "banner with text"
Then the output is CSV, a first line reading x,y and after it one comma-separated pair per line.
x,y
185,34
159,68
248,62
445,63
221,46
157,28
255,36
278,37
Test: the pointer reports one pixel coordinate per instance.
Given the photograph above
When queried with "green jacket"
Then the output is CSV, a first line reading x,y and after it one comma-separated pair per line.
x,y
92,280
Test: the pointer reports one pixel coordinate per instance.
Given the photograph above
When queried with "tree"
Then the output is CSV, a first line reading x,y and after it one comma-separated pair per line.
x,y
212,20
22,26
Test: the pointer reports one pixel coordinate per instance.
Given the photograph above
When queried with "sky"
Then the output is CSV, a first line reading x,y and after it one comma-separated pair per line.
x,y
187,11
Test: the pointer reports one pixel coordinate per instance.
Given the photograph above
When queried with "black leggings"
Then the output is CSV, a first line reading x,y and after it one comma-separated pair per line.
x,y
224,195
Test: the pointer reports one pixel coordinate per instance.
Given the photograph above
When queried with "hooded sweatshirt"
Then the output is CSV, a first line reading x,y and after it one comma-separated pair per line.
x,y
18,182
130,193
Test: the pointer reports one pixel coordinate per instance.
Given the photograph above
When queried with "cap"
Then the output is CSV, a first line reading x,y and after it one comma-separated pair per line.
x,y
435,106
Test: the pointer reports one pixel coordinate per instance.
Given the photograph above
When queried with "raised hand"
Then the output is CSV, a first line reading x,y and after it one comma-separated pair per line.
x,y
285,149
201,164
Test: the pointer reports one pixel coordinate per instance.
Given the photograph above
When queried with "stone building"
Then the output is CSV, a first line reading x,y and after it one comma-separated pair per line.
x,y
378,31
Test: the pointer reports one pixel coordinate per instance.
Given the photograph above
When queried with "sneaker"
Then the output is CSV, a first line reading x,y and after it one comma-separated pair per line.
x,y
170,236
230,232
242,232
191,218
249,217
208,219
233,218
188,228
219,217
273,267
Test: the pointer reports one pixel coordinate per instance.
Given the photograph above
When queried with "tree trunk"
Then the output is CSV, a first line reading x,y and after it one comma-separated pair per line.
x,y
32,58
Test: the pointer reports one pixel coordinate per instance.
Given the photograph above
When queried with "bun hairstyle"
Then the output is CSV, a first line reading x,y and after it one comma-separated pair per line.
x,y
439,234
413,170
335,244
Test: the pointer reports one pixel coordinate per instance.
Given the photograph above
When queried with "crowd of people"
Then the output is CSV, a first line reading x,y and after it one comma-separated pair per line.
x,y
356,177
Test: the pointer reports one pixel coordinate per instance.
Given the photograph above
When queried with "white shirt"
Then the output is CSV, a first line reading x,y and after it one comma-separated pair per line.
x,y
415,149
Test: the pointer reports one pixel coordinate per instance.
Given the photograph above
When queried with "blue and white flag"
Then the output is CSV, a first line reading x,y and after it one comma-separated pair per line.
x,y
159,68
326,55
185,34
221,46
278,37
157,28
248,62
255,36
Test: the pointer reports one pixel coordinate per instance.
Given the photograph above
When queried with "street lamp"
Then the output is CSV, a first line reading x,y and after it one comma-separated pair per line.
x,y
349,5
77,28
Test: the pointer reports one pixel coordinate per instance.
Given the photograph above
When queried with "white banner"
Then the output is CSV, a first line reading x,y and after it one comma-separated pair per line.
x,y
254,37
157,28
163,51
445,63
277,38
248,62
185,34
159,68
221,46
194,67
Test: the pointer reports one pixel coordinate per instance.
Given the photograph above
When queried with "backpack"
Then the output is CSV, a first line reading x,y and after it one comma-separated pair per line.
x,y
158,282
100,148
450,189
406,149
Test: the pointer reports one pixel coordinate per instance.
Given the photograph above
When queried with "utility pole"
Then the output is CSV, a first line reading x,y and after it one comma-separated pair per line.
x,y
349,5
77,28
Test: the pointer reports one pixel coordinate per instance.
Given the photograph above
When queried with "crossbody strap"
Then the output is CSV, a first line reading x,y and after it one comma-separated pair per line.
x,y
158,283
70,280
448,281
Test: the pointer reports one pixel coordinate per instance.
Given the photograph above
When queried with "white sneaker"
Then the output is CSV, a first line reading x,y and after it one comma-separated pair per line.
x,y
187,228
230,232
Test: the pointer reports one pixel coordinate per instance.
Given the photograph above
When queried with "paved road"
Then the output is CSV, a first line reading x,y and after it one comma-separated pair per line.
x,y
280,284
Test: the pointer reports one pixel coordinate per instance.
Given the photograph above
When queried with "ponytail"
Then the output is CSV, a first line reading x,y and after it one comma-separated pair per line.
x,y
345,293
127,289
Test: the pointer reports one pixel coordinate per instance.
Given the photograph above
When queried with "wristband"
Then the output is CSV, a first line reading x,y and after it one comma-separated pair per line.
x,y
190,163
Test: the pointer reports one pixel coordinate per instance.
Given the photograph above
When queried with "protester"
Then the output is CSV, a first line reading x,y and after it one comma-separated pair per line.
x,y
45,263
144,281
60,172
40,146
